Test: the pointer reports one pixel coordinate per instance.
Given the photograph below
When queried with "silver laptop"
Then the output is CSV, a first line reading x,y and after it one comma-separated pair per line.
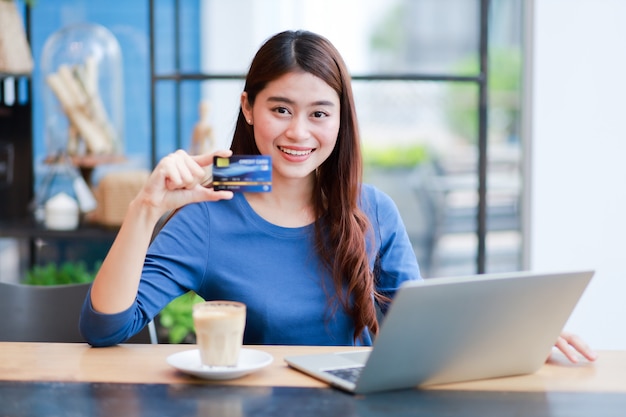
x,y
444,330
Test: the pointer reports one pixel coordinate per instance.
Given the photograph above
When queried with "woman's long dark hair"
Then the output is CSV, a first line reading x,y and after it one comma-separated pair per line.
x,y
342,229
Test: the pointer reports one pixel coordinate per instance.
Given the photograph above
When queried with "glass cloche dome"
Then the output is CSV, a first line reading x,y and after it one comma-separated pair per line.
x,y
83,93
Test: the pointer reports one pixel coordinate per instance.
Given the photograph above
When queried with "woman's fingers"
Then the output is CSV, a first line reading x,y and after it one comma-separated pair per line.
x,y
572,346
566,349
206,161
209,194
181,171
176,180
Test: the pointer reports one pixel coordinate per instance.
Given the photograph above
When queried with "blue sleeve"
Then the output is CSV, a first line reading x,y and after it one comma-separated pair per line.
x,y
395,260
175,263
100,329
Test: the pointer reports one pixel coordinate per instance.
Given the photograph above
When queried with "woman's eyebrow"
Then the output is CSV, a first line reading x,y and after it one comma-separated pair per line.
x,y
279,99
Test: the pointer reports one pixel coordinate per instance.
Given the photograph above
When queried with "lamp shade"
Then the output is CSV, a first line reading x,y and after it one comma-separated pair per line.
x,y
15,54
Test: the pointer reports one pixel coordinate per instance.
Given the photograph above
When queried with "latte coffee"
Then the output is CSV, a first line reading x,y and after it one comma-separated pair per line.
x,y
219,329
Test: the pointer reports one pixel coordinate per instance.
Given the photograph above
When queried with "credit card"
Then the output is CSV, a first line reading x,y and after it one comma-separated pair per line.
x,y
243,173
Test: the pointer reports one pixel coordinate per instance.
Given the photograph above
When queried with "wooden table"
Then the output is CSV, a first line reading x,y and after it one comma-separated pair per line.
x,y
48,379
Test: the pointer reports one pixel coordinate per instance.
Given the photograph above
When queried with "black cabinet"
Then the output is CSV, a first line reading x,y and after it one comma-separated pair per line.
x,y
16,147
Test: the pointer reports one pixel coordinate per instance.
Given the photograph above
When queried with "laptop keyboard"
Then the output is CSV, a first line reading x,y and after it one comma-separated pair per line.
x,y
347,374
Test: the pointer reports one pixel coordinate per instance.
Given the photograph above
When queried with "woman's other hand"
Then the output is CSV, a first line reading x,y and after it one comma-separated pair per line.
x,y
572,346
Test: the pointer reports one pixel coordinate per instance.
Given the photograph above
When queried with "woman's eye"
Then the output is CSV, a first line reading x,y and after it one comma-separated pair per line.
x,y
319,114
281,110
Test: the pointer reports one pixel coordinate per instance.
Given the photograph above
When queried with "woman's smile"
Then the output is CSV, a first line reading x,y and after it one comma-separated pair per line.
x,y
296,152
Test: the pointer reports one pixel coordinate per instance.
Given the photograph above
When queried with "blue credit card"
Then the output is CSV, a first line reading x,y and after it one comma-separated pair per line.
x,y
243,173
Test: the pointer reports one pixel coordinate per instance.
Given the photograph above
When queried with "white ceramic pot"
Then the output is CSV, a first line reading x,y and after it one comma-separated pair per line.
x,y
61,213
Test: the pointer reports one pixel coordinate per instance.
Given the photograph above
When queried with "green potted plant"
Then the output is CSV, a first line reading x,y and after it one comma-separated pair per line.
x,y
175,321
63,274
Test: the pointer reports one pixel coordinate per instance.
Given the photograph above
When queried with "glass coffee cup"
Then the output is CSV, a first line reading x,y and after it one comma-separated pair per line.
x,y
219,327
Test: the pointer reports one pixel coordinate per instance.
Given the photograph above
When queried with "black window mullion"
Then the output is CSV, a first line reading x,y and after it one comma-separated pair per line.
x,y
153,147
481,227
177,66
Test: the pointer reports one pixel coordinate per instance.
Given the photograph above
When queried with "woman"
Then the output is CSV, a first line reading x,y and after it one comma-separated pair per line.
x,y
310,259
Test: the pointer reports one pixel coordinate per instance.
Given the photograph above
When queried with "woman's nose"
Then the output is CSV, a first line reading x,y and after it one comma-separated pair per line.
x,y
298,128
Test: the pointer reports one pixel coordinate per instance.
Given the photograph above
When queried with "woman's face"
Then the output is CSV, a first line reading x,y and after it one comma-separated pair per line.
x,y
296,121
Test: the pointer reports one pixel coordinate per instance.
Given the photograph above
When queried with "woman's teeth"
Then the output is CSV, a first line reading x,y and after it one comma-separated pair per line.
x,y
295,152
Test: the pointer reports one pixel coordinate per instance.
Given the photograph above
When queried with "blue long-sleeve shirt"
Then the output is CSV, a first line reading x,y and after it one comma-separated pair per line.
x,y
225,250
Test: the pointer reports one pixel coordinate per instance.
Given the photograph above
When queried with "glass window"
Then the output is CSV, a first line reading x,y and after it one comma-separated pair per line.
x,y
415,65
420,138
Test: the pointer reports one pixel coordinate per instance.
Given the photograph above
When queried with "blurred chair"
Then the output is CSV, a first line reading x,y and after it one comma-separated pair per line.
x,y
31,313
449,204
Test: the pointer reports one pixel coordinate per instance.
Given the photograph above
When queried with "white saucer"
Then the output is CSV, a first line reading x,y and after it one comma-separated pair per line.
x,y
250,360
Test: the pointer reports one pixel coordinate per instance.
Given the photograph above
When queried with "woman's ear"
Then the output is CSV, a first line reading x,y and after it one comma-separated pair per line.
x,y
246,108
